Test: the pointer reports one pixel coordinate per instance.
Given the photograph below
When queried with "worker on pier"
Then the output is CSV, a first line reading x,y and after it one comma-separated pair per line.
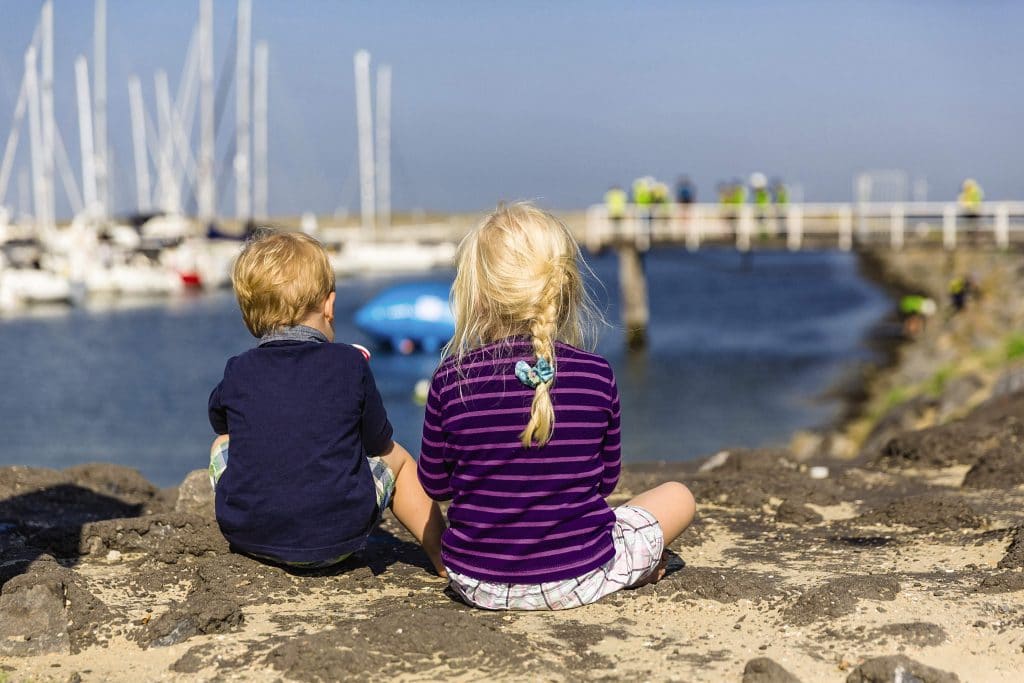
x,y
615,201
780,193
642,191
686,192
762,204
780,202
643,196
661,201
970,200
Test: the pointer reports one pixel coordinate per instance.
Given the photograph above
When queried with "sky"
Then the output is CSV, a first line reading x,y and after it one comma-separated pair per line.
x,y
554,102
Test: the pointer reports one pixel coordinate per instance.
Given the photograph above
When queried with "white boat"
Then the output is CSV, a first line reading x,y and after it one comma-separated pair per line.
x,y
391,257
23,287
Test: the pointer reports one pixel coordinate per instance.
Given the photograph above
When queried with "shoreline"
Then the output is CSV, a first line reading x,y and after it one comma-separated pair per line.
x,y
908,554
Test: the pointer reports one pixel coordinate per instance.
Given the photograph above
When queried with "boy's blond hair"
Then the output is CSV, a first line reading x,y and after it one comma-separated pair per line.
x,y
279,279
518,274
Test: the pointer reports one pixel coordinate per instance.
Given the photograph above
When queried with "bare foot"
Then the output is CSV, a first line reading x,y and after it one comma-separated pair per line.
x,y
657,574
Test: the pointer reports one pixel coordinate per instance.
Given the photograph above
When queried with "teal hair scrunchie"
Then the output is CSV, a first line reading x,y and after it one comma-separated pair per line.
x,y
535,375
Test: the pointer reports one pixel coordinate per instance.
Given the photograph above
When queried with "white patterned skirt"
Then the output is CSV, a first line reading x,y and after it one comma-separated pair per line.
x,y
638,541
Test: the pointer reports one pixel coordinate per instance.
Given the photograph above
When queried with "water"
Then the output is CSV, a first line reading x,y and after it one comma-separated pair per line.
x,y
737,356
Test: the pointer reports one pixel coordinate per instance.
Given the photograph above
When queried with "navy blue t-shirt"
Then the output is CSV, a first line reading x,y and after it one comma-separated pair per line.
x,y
302,416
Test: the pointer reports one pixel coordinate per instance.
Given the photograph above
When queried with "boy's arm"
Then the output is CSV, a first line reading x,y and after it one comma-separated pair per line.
x,y
611,452
218,414
374,428
435,468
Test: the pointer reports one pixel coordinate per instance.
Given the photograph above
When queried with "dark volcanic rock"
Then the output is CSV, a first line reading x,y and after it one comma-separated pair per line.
x,y
725,585
1000,407
167,537
1004,582
1001,468
207,609
926,512
1010,382
68,613
751,478
956,394
917,633
897,420
1014,557
898,668
766,670
410,643
791,512
957,443
32,621
837,597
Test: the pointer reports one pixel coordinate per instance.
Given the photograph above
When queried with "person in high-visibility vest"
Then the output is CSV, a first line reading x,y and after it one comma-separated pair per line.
x,y
970,204
615,200
915,309
780,193
971,196
642,192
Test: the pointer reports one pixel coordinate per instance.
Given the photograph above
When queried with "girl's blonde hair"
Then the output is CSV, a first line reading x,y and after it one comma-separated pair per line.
x,y
280,278
519,275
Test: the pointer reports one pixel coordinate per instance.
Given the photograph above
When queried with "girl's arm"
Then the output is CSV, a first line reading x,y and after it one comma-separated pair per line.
x,y
435,467
611,452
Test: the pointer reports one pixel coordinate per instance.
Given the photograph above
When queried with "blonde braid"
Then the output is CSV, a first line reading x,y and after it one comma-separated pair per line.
x,y
543,328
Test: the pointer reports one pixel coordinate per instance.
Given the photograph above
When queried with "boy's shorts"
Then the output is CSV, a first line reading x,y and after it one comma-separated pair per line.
x,y
383,481
638,541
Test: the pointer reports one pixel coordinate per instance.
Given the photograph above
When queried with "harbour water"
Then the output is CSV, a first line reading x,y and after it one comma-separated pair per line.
x,y
741,353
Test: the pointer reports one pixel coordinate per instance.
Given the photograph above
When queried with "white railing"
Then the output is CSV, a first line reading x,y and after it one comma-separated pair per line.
x,y
843,223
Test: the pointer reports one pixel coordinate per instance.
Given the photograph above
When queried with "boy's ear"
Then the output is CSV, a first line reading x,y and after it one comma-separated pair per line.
x,y
329,306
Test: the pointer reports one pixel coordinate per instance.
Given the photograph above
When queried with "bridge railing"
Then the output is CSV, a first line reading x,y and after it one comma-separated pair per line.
x,y
844,224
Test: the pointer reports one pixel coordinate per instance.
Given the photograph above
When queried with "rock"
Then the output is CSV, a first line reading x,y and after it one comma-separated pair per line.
x,y
917,633
1003,468
725,584
898,669
805,445
766,670
1010,382
33,621
901,418
168,537
749,460
73,614
195,495
999,407
206,610
926,512
837,597
1005,582
751,478
792,512
957,394
955,443
1014,557
124,483
714,462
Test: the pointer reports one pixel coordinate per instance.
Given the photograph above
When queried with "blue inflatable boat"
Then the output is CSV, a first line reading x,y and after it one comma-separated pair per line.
x,y
407,317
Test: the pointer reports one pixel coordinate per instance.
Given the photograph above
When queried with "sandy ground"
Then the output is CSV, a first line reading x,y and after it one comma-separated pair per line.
x,y
912,547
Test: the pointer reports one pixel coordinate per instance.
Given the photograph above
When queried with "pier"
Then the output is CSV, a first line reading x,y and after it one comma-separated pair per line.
x,y
846,226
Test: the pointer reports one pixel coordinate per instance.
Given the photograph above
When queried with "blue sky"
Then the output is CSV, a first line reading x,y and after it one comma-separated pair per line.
x,y
555,101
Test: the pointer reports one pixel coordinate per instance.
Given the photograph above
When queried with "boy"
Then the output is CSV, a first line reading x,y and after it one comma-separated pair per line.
x,y
312,464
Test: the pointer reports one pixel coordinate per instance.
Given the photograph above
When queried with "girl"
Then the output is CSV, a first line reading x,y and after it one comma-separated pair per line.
x,y
522,433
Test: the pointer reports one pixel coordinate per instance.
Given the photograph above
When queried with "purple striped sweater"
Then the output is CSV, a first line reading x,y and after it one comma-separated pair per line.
x,y
522,515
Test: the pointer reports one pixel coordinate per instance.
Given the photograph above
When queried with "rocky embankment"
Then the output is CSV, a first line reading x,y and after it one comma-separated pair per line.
x,y
892,549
